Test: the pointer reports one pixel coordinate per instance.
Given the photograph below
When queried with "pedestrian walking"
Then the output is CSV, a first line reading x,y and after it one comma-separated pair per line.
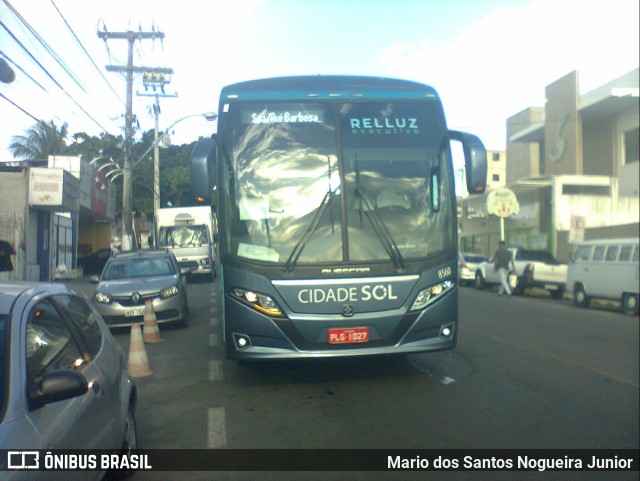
x,y
6,266
502,264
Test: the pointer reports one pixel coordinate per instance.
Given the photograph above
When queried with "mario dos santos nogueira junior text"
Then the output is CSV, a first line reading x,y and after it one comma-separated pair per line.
x,y
525,463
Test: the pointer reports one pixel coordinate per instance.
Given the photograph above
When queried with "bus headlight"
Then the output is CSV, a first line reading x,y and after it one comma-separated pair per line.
x,y
169,292
103,298
260,302
430,294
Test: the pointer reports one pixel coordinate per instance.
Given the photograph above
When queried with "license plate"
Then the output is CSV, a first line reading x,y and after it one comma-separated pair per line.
x,y
551,287
348,335
138,311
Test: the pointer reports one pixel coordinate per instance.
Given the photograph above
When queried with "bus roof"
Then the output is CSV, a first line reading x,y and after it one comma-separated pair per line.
x,y
619,240
333,87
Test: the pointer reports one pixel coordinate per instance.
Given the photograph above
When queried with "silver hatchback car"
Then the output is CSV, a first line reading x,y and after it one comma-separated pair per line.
x,y
133,277
63,377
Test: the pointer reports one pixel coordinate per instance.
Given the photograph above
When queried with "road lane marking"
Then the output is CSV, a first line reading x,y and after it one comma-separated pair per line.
x,y
446,380
214,340
215,371
555,358
217,429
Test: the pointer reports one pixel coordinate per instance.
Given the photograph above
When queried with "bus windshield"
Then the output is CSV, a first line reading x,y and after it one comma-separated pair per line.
x,y
309,183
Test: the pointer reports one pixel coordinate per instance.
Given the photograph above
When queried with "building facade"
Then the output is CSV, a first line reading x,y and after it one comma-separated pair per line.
x,y
576,157
51,214
496,169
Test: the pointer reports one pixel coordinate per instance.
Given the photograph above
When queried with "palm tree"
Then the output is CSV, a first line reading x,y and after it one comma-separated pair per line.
x,y
41,141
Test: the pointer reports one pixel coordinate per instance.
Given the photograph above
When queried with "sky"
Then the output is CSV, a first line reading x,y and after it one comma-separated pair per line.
x,y
487,59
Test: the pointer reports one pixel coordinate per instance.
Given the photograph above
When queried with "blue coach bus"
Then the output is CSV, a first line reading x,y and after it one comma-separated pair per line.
x,y
337,220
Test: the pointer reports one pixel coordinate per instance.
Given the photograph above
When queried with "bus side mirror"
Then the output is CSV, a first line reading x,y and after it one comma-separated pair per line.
x,y
202,165
475,160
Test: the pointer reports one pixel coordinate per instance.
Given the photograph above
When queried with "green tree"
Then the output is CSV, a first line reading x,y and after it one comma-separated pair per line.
x,y
175,181
105,146
40,141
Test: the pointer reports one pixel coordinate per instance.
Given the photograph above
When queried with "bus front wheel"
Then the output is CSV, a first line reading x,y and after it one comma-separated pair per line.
x,y
580,297
630,304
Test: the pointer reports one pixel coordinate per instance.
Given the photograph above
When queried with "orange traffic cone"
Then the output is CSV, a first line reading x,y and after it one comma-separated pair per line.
x,y
151,331
138,365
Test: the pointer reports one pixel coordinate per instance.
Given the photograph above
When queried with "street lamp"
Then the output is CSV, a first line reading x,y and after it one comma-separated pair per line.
x,y
115,172
209,116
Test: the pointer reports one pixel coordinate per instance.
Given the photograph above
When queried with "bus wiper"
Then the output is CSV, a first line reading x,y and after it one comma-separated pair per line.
x,y
373,215
313,225
311,228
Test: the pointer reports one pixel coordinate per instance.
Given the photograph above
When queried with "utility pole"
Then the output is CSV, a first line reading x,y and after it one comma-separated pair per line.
x,y
154,81
128,241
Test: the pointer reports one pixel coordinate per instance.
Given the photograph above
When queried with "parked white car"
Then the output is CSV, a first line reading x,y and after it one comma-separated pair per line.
x,y
606,269
468,263
534,268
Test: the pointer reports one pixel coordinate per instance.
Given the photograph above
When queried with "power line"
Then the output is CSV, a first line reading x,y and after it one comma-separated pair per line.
x,y
29,54
20,108
46,46
22,70
51,76
58,60
87,53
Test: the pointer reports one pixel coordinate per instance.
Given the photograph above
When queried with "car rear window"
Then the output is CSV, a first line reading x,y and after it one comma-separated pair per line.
x,y
476,259
537,256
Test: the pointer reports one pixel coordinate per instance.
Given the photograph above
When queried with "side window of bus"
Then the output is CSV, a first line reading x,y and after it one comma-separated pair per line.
x,y
625,254
582,254
635,254
598,253
612,253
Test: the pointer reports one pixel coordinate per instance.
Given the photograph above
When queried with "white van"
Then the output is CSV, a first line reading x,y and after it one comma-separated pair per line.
x,y
606,269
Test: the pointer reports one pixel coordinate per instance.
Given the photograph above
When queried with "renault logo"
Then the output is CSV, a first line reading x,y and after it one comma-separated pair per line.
x,y
136,297
347,310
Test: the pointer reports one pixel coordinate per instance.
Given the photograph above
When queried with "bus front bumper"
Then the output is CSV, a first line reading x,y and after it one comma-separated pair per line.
x,y
254,336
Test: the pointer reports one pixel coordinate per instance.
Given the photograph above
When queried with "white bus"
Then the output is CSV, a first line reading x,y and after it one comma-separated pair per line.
x,y
606,269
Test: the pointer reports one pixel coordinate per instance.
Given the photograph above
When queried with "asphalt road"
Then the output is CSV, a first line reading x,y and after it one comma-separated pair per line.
x,y
528,372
